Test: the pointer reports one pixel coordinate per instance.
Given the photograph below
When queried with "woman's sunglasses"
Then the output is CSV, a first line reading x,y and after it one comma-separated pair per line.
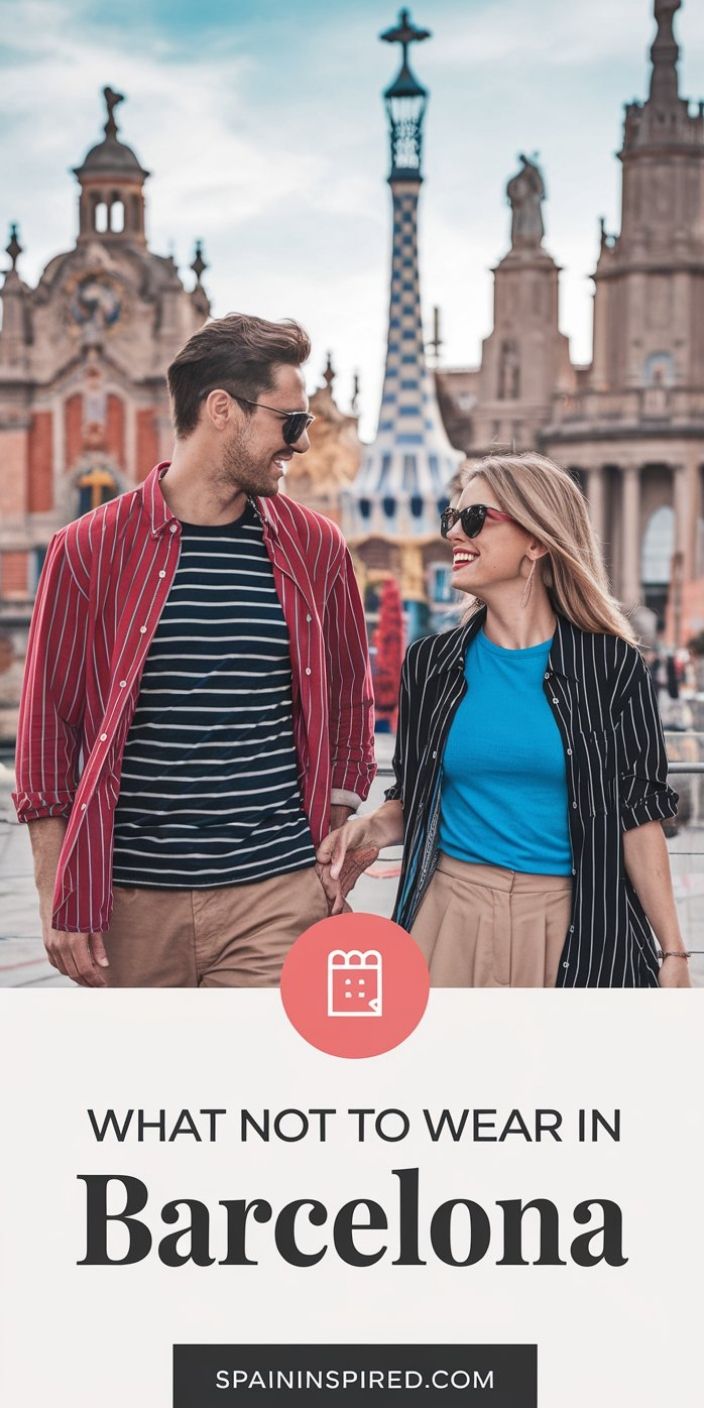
x,y
472,519
294,422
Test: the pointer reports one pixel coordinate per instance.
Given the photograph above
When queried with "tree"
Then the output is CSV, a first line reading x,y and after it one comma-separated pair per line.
x,y
388,642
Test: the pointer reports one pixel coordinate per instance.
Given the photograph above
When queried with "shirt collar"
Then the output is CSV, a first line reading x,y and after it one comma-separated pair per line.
x,y
155,505
564,657
160,515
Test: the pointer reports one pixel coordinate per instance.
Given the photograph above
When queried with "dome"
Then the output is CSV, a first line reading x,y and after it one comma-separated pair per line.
x,y
111,157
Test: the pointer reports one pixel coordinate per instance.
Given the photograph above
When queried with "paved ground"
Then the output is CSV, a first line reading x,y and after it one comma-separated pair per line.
x,y
23,962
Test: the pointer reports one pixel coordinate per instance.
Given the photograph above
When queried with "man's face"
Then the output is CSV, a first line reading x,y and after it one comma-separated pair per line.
x,y
256,453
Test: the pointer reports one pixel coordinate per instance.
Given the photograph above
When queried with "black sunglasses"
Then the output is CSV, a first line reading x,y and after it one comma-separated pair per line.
x,y
471,519
294,422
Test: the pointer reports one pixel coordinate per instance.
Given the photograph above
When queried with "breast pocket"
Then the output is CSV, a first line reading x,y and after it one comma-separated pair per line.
x,y
596,769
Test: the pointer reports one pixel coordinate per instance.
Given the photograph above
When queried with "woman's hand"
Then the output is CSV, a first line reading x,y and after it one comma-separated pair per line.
x,y
674,973
347,852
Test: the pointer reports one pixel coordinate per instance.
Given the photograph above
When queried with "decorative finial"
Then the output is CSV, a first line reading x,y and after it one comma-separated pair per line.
x,y
664,85
436,340
111,101
329,373
199,264
354,407
14,248
405,33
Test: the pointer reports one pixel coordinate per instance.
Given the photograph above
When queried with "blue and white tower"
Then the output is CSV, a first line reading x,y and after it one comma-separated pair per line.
x,y
403,483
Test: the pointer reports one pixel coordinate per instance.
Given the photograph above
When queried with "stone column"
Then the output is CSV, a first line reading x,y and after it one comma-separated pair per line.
x,y
630,528
684,517
596,490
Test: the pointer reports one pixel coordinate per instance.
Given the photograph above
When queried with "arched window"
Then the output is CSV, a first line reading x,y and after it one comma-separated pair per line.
x,y
95,487
659,369
658,546
100,218
117,216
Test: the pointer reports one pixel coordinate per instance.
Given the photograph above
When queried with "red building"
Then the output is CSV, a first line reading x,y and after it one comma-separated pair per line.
x,y
83,403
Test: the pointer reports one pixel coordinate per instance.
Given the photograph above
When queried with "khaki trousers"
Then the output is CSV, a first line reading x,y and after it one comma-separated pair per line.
x,y
236,936
483,927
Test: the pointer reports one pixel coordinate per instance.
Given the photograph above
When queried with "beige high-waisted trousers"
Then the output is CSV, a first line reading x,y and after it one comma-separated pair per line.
x,y
483,927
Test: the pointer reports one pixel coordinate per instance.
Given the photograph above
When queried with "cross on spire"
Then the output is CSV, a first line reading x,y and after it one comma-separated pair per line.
x,y
405,33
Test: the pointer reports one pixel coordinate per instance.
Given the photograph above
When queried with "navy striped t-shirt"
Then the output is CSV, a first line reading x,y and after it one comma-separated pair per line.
x,y
209,793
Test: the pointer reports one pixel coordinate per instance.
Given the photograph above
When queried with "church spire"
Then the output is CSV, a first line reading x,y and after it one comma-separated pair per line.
x,y
664,86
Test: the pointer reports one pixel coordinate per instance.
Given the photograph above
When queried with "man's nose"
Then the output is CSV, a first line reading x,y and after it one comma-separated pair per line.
x,y
302,444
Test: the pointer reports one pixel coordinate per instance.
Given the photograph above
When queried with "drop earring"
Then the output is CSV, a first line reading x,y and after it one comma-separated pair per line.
x,y
528,587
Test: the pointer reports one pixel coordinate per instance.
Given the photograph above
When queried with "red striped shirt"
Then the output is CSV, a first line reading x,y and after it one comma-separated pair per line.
x,y
104,584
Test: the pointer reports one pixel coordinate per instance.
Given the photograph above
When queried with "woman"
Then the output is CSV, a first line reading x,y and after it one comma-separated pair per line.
x,y
531,774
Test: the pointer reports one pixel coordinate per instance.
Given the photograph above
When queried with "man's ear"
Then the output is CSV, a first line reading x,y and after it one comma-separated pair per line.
x,y
218,409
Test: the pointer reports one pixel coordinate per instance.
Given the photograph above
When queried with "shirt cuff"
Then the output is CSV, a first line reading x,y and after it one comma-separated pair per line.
x,y
394,794
659,806
36,806
340,798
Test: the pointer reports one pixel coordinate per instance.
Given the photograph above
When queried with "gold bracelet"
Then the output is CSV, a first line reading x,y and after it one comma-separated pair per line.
x,y
672,953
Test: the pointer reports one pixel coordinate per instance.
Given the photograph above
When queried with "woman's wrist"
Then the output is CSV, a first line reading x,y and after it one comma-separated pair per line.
x,y
386,825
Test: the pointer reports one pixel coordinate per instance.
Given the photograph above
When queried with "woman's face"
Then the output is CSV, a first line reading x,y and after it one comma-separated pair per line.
x,y
495,556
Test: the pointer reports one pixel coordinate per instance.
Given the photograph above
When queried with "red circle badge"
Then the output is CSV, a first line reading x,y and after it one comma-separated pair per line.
x,y
355,985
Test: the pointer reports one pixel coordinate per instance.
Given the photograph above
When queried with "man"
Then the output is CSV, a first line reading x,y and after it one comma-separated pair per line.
x,y
197,707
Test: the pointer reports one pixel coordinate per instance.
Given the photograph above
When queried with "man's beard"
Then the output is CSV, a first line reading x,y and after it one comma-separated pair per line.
x,y
242,469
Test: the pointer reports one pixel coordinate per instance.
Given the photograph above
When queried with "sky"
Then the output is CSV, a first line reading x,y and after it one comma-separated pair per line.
x,y
263,125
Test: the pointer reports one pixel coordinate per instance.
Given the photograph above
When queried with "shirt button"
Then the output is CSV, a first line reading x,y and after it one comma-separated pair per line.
x,y
554,700
83,806
571,928
574,806
569,752
103,738
565,965
173,528
142,630
547,674
308,670
123,684
162,574
309,617
574,872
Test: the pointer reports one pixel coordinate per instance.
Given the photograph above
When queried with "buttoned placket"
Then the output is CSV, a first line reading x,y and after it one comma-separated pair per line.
x,y
553,699
141,648
116,705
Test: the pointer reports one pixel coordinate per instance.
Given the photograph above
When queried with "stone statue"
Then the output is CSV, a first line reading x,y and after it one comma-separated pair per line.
x,y
111,101
526,192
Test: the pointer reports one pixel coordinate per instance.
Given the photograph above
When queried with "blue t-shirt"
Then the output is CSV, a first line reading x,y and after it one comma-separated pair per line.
x,y
504,786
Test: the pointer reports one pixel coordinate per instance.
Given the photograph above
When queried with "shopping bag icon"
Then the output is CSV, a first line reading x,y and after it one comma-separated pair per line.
x,y
354,983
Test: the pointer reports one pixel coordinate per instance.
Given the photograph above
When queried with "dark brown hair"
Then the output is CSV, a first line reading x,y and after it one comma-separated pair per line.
x,y
236,352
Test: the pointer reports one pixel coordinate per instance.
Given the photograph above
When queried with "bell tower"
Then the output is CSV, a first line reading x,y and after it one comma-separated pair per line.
x,y
111,203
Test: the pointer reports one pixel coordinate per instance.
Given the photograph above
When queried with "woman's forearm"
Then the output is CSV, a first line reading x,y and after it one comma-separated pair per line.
x,y
386,824
648,867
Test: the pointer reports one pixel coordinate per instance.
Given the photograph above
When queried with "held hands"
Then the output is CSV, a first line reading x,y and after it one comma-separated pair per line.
x,y
343,856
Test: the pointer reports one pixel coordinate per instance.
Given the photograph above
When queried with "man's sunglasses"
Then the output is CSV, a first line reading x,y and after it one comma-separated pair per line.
x,y
294,422
472,519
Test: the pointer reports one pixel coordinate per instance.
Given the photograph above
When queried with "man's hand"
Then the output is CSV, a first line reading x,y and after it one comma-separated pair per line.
x,y
343,856
81,957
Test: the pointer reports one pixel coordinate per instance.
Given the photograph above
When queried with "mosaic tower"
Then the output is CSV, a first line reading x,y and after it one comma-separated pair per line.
x,y
404,479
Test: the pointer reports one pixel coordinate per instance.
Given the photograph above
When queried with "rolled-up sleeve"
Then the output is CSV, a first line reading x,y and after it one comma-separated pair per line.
x,y
51,709
351,698
643,788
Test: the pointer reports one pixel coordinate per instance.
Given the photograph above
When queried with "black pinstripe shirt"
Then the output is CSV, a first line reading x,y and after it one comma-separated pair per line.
x,y
603,701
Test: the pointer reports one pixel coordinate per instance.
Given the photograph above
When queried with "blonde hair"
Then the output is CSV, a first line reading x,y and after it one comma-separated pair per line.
x,y
547,502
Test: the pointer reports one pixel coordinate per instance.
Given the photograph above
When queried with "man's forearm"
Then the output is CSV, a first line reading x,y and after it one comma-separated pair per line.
x,y
47,837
